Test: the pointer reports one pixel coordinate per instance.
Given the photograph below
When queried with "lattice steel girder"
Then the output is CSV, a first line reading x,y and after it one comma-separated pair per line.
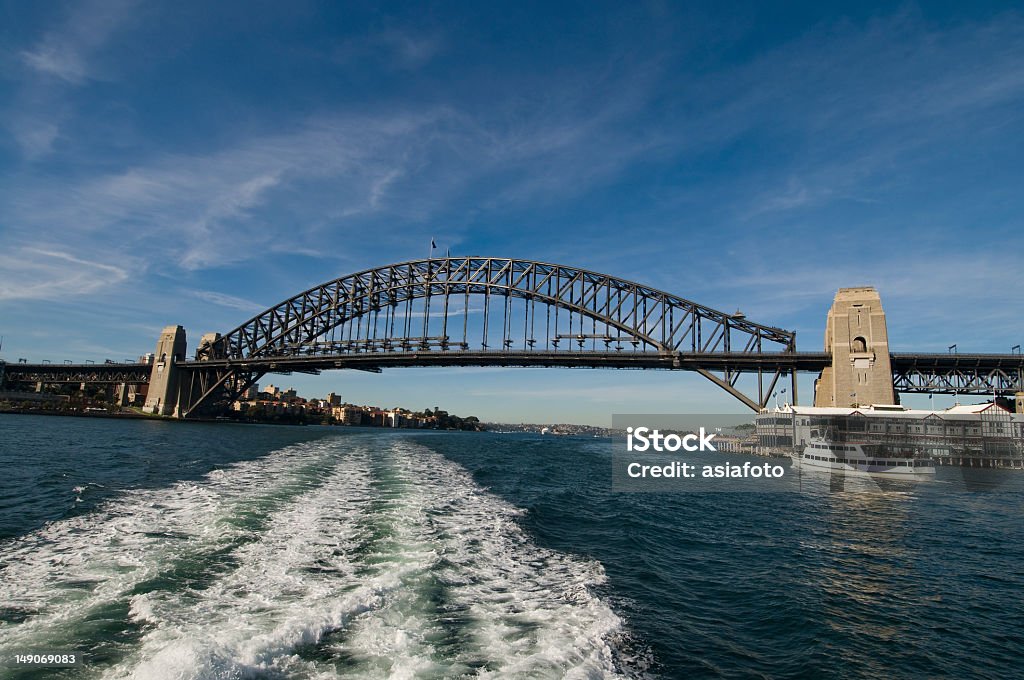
x,y
202,384
656,319
958,381
78,373
958,373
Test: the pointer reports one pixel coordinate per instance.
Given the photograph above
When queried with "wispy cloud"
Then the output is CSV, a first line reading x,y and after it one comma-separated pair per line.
x,y
399,48
207,202
63,60
66,51
322,184
35,137
49,274
229,301
411,50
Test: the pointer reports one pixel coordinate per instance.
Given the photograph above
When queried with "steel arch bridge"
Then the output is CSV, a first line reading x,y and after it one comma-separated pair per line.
x,y
493,311
478,311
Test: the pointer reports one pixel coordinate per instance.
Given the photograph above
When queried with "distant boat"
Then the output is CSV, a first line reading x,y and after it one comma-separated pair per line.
x,y
545,430
873,459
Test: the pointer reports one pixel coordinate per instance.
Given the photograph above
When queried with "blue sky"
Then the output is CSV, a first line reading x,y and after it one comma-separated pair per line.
x,y
170,163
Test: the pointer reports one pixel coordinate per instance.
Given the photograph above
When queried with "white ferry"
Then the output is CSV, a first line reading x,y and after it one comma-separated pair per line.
x,y
821,454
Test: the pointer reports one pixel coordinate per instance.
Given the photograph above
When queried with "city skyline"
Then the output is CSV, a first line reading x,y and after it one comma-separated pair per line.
x,y
163,167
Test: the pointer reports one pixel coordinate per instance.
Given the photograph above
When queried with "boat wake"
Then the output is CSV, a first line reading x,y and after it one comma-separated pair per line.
x,y
319,560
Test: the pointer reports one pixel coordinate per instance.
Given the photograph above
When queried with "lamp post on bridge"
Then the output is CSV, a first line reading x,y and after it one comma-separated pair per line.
x,y
776,396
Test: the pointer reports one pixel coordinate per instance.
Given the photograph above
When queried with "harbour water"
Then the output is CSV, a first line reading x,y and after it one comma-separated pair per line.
x,y
176,550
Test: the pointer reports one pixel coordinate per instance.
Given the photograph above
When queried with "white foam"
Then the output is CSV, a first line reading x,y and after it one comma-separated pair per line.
x,y
294,583
533,609
395,562
70,567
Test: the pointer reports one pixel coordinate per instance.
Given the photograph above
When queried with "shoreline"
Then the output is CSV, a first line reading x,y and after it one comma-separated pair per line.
x,y
217,420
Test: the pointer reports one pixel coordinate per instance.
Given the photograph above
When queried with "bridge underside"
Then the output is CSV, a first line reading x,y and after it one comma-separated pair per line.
x,y
730,372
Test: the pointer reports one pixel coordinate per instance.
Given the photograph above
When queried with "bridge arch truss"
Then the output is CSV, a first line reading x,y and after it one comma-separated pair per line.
x,y
459,310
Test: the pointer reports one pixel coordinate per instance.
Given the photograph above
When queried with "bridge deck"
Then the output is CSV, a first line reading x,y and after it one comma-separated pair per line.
x,y
742,362
737,361
912,372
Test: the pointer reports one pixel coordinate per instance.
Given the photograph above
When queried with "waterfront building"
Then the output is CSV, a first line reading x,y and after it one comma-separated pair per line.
x,y
985,435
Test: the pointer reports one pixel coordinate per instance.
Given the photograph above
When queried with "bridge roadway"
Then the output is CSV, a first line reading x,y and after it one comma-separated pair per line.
x,y
913,372
374,361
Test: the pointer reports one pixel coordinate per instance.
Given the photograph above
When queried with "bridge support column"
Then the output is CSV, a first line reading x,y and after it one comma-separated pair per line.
x,y
162,397
122,395
856,336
